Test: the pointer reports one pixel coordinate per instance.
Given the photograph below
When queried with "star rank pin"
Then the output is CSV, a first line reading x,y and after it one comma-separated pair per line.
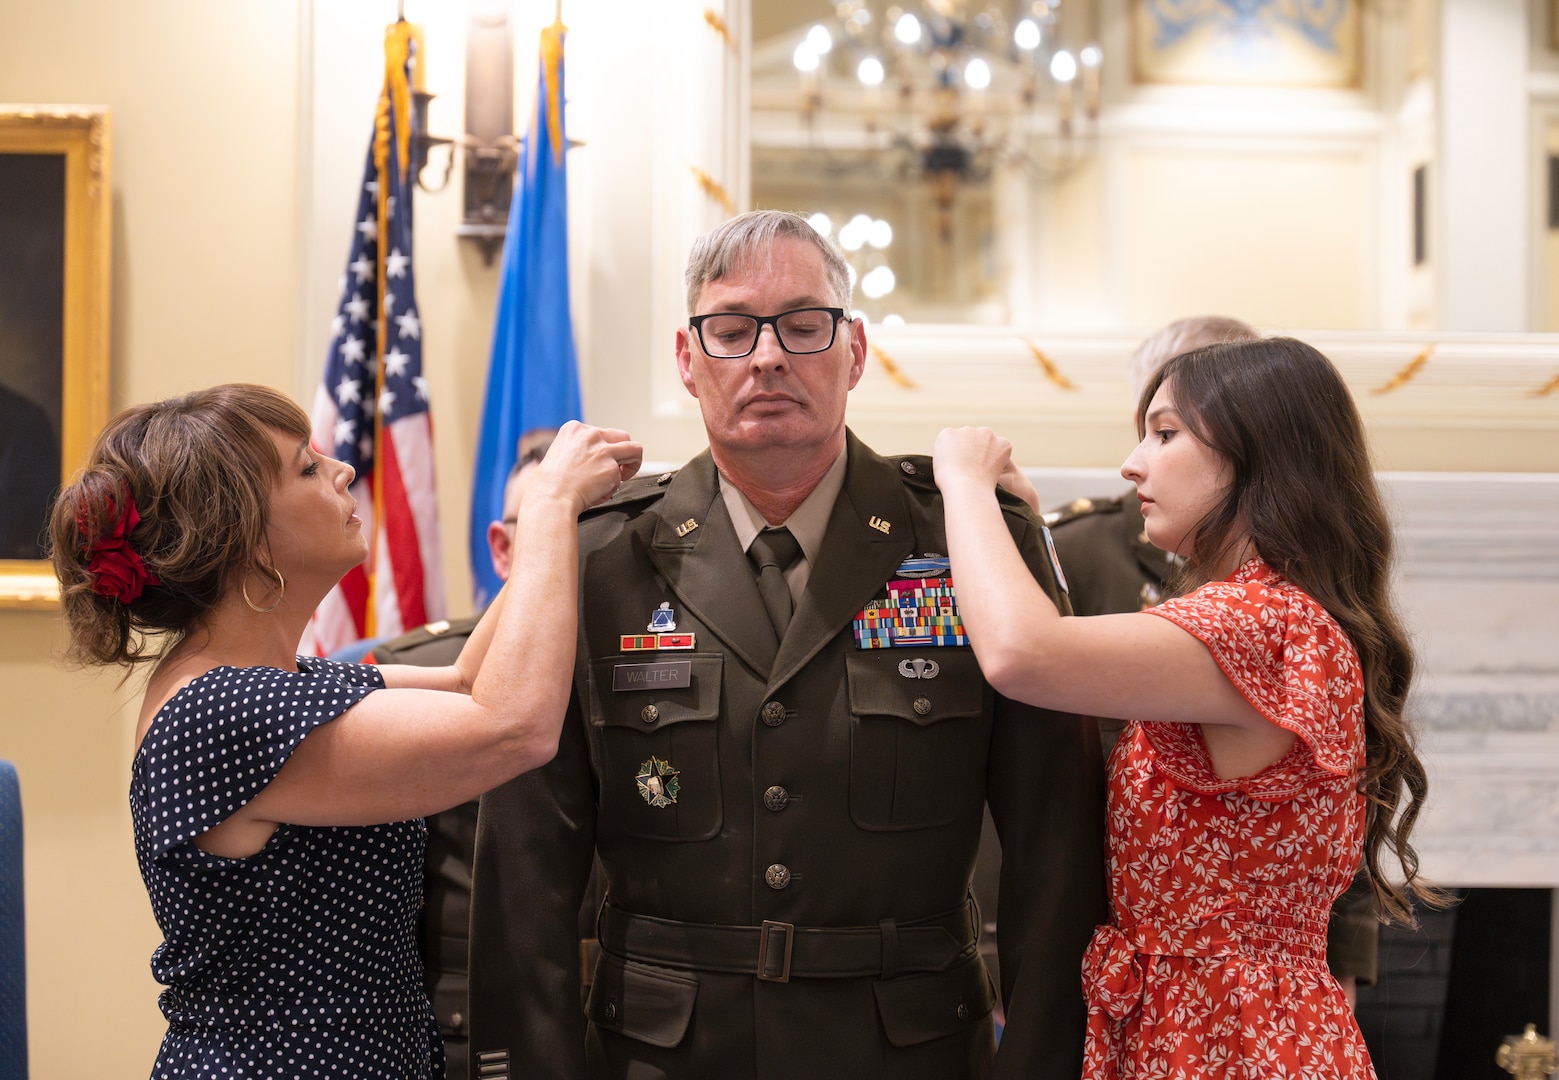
x,y
658,783
663,623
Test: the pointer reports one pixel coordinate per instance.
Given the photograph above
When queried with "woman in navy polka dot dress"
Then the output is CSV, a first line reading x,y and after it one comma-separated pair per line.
x,y
277,798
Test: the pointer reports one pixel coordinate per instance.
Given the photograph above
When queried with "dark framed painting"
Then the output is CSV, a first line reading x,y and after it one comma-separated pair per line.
x,y
55,202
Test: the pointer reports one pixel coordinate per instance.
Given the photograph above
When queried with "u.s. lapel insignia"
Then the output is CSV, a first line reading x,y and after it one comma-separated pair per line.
x,y
686,527
880,525
658,783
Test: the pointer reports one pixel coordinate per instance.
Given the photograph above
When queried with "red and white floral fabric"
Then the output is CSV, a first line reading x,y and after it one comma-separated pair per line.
x,y
1215,963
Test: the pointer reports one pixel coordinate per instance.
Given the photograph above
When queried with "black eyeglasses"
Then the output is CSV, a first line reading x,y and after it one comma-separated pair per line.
x,y
731,336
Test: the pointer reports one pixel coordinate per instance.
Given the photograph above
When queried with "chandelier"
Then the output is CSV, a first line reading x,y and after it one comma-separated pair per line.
x,y
956,87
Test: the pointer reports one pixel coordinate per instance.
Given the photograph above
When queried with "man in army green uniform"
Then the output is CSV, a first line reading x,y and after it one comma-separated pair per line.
x,y
1112,568
781,747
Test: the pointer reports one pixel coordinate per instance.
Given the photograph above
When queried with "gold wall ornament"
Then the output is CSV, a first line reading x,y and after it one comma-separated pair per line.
x,y
892,368
718,25
1048,366
1407,374
1548,387
1527,1056
714,189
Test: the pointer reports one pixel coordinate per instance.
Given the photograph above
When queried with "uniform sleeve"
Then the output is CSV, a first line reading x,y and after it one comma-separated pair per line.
x,y
1046,793
1293,663
535,842
219,741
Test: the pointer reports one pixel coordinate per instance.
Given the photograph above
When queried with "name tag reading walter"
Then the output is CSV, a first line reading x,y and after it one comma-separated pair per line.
x,y
668,675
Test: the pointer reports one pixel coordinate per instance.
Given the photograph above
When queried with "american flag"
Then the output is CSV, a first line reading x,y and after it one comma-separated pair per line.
x,y
371,410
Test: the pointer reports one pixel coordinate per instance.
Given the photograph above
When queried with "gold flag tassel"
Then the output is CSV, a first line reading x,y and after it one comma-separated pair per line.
x,y
394,101
718,25
1407,374
551,64
1547,388
1048,366
894,373
713,189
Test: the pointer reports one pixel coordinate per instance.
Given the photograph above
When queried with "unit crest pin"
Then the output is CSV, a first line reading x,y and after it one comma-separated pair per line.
x,y
663,620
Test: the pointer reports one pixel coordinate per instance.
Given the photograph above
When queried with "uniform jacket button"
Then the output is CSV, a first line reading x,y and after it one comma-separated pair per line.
x,y
923,706
777,876
963,1011
650,714
774,714
908,467
611,1010
776,797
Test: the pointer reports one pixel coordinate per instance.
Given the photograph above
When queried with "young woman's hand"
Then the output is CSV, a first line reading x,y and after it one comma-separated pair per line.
x,y
977,456
586,464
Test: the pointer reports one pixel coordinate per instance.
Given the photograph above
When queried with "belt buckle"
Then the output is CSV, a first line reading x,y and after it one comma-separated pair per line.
x,y
768,947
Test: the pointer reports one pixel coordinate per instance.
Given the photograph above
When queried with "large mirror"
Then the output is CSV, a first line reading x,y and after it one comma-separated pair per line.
x,y
1087,165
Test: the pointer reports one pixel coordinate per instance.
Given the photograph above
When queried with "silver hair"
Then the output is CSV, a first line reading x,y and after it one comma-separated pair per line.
x,y
746,241
1181,336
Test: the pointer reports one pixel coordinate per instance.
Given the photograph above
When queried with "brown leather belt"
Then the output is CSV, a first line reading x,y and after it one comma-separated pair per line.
x,y
776,951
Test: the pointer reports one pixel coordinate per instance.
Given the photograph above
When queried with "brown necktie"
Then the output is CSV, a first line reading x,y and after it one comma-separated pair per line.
x,y
772,552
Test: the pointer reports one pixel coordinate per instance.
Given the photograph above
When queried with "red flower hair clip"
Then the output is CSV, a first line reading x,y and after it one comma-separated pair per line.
x,y
117,571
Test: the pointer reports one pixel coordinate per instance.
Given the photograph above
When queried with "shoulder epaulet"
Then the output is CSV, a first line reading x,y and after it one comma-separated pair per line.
x,y
639,490
1080,508
916,472
426,633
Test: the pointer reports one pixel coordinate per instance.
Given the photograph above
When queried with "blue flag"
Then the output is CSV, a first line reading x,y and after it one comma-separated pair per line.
x,y
533,377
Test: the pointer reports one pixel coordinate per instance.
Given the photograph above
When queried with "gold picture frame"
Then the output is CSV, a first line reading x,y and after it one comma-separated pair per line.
x,y
57,348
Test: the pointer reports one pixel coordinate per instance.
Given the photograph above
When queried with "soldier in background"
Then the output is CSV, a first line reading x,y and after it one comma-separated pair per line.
x,y
1112,568
444,928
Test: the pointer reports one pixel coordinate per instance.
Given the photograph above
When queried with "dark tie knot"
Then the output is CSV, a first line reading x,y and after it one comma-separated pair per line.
x,y
774,547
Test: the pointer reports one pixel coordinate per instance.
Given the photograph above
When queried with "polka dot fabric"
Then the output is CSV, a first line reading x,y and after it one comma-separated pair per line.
x,y
298,961
1214,965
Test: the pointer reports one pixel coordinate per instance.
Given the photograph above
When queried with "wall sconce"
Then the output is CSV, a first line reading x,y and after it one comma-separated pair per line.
x,y
490,147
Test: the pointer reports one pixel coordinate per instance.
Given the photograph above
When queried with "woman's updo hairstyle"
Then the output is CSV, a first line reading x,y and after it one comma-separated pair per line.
x,y
171,502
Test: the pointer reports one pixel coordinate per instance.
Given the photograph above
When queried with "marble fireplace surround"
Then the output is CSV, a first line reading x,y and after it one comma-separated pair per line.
x,y
1478,581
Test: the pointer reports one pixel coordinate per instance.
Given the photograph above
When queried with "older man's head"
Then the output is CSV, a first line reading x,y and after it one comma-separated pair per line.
x,y
770,350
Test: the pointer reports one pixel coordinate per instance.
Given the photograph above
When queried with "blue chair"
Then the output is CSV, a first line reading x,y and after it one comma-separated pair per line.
x,y
13,937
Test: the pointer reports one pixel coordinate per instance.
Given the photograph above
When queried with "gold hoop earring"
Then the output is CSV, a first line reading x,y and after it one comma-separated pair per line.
x,y
281,590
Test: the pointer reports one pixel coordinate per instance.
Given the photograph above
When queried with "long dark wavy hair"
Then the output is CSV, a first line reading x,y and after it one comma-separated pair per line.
x,y
1304,494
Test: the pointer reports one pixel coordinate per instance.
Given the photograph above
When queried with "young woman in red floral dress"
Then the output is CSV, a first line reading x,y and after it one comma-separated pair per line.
x,y
1267,753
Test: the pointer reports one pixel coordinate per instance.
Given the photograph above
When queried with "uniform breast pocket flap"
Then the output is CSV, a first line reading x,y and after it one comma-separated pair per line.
x,y
647,695
921,686
919,735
